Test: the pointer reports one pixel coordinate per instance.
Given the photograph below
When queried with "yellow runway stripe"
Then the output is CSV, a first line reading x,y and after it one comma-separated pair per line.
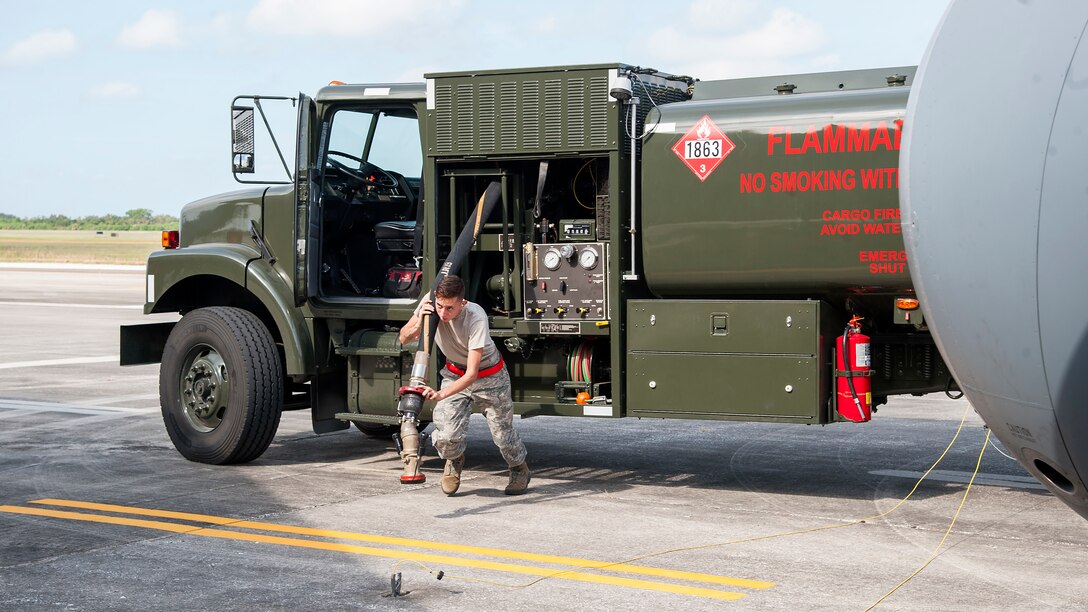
x,y
379,552
394,541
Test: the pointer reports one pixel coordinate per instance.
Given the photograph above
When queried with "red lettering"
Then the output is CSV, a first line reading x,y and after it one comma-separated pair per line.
x,y
812,141
834,138
773,138
813,180
854,214
887,268
789,180
857,139
842,229
848,179
881,137
752,182
790,149
880,178
883,228
868,256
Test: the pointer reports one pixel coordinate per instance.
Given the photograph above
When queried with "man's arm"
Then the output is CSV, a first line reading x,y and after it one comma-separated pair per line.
x,y
414,326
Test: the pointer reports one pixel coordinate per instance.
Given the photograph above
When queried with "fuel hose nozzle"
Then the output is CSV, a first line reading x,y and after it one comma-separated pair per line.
x,y
408,408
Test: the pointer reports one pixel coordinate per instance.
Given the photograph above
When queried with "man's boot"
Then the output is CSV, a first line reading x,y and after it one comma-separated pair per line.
x,y
519,479
451,476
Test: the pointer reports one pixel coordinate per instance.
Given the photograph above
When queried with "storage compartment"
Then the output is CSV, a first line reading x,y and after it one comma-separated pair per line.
x,y
729,359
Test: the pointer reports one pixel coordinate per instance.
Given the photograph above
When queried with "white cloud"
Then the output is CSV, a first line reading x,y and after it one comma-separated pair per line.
x,y
116,90
39,47
547,25
787,34
720,14
343,18
155,29
223,23
785,41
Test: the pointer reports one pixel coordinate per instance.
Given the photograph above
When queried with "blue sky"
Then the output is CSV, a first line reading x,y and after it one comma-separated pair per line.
x,y
106,107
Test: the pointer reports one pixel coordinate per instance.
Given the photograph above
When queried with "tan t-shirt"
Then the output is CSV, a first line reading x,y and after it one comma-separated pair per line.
x,y
466,332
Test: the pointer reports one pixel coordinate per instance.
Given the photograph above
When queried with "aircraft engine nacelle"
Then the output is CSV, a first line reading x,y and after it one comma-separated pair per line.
x,y
994,200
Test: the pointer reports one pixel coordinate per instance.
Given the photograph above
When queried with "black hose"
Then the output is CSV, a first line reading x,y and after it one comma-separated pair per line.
x,y
847,368
457,255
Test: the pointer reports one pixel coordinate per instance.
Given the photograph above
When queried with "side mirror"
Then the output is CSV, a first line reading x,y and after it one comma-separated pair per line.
x,y
241,136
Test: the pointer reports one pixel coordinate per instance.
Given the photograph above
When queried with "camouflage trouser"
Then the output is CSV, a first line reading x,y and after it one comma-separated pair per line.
x,y
492,396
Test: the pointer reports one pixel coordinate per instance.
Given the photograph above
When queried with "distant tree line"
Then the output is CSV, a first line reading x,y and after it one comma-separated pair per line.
x,y
135,219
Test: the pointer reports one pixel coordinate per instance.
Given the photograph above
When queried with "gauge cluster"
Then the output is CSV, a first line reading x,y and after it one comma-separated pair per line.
x,y
566,281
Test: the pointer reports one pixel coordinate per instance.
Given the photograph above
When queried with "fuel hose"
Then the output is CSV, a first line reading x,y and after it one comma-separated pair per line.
x,y
410,403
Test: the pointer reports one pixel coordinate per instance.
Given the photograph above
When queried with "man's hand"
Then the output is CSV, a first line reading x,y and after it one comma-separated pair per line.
x,y
414,326
431,394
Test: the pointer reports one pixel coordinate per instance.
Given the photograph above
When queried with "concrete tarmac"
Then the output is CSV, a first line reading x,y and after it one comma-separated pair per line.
x,y
99,512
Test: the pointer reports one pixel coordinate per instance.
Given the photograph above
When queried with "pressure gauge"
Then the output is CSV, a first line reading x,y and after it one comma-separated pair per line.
x,y
552,259
567,251
588,258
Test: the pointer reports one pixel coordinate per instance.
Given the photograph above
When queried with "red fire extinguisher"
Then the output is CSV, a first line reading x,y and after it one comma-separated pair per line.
x,y
853,385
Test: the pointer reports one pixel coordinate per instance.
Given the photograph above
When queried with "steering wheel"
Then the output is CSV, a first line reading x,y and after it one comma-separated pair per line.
x,y
367,174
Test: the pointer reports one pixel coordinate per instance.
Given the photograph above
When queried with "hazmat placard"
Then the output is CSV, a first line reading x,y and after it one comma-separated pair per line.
x,y
703,147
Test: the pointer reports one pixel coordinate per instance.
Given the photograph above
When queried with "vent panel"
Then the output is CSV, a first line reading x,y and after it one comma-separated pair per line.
x,y
466,117
598,112
487,114
553,114
530,114
508,115
547,111
443,97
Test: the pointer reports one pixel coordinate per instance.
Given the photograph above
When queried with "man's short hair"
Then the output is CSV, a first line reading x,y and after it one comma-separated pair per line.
x,y
450,287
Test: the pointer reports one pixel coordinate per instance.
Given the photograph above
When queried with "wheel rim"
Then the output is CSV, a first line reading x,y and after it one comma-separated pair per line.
x,y
205,387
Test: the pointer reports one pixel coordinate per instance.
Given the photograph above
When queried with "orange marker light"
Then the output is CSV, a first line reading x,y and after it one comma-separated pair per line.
x,y
170,239
906,303
582,398
336,82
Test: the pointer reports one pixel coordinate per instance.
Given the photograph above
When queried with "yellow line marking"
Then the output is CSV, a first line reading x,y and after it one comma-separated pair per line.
x,y
378,552
394,541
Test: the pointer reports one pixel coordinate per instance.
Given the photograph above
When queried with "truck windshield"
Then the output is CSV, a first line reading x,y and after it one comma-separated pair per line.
x,y
389,141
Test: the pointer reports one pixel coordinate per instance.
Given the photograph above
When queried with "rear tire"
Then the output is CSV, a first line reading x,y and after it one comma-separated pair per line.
x,y
221,386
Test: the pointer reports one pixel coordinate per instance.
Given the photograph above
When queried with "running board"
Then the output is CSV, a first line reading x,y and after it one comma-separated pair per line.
x,y
359,417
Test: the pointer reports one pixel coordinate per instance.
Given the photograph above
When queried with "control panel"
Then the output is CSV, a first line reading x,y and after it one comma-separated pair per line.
x,y
566,281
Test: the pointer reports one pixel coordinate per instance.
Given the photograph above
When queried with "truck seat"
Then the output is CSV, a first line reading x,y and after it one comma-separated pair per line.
x,y
395,236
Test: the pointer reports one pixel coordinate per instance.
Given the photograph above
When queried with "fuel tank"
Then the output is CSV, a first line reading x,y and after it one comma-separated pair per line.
x,y
790,193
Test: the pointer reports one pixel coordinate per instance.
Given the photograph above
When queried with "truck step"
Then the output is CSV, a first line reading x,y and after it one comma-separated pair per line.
x,y
368,418
348,351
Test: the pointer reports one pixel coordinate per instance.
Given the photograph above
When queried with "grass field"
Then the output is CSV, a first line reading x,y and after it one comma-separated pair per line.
x,y
52,246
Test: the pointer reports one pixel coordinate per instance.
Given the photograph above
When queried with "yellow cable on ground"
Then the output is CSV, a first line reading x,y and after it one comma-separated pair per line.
x,y
947,531
959,429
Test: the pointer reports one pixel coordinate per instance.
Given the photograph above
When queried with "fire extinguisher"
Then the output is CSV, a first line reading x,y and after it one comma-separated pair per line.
x,y
853,383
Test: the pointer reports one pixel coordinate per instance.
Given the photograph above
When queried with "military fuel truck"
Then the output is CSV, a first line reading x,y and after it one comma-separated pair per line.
x,y
660,247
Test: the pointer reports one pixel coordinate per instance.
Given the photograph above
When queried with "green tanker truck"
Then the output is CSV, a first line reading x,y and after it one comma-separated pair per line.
x,y
660,247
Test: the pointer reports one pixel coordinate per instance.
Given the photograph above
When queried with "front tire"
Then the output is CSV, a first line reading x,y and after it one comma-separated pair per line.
x,y
221,386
